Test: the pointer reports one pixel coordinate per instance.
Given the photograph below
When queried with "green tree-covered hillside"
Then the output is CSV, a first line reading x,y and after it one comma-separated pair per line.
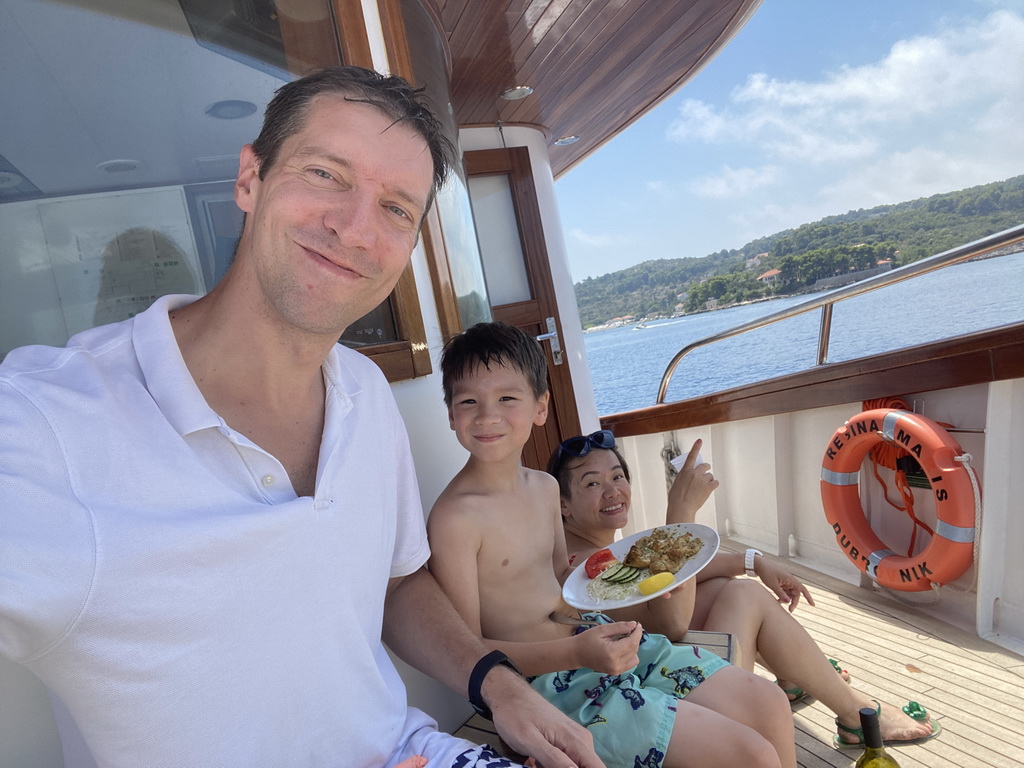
x,y
824,249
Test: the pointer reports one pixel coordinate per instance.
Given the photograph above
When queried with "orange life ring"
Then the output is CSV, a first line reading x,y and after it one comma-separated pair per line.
x,y
951,550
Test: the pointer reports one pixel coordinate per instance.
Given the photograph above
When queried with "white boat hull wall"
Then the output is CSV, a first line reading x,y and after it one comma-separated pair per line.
x,y
770,498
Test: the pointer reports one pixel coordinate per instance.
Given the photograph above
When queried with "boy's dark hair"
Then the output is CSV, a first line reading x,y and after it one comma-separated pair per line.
x,y
562,461
493,343
286,113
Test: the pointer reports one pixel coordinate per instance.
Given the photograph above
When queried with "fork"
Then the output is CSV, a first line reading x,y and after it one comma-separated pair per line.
x,y
576,621
573,621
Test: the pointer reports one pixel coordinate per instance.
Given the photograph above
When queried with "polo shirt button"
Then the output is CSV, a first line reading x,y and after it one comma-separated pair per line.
x,y
268,480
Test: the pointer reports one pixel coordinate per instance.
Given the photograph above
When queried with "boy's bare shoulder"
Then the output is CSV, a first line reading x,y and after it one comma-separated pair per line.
x,y
470,503
538,482
461,502
541,479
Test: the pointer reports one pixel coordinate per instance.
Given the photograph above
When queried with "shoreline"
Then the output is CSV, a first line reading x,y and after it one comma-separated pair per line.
x,y
634,321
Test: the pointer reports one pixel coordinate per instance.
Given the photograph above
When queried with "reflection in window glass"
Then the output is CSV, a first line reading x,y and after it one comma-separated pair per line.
x,y
464,252
428,58
376,327
120,148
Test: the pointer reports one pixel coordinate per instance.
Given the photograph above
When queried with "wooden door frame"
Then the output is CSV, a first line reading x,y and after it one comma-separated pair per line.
x,y
514,163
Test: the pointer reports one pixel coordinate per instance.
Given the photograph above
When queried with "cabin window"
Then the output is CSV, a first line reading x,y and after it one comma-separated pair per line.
x,y
417,50
122,127
501,242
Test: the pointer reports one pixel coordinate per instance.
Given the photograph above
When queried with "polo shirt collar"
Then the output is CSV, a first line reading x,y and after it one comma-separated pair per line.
x,y
172,387
339,376
166,376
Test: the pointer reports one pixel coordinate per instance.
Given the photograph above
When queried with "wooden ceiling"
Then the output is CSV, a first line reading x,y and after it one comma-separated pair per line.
x,y
595,65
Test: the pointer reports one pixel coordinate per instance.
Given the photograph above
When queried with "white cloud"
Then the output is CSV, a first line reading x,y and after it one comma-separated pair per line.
x,y
966,78
919,172
1017,5
698,120
734,183
937,112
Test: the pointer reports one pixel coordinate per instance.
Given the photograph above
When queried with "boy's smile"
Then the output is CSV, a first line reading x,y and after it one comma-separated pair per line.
x,y
494,410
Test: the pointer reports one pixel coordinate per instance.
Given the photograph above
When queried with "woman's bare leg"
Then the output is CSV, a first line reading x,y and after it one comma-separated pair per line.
x,y
759,624
789,686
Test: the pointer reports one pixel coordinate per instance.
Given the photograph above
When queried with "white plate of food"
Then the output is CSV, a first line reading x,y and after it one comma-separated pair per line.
x,y
620,588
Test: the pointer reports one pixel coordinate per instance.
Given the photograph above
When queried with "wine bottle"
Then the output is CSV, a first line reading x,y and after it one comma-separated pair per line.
x,y
874,755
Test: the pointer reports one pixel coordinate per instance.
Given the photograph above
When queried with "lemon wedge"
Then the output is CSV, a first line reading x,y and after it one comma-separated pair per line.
x,y
652,584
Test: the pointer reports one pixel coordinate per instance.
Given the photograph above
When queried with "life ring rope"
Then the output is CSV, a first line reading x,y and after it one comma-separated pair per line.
x,y
887,454
965,459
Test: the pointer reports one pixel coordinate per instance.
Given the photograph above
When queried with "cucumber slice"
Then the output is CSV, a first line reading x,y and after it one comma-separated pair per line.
x,y
626,574
608,574
637,573
619,574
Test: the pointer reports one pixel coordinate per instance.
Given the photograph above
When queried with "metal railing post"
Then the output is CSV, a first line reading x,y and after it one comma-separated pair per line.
x,y
824,332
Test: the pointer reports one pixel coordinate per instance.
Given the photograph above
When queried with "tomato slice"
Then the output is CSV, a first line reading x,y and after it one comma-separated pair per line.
x,y
598,562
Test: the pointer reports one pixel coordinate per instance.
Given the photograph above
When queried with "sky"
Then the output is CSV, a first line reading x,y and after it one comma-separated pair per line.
x,y
816,108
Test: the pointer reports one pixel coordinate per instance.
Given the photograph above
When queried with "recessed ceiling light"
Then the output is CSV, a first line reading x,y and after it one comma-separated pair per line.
x,y
519,92
230,109
566,140
118,166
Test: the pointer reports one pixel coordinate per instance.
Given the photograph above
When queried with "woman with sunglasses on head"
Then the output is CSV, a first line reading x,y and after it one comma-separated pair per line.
x,y
594,486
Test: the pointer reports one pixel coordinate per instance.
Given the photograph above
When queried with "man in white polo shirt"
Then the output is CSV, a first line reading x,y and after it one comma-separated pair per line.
x,y
208,514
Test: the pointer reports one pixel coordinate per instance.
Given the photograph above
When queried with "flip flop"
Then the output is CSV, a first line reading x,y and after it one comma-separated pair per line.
x,y
838,668
912,708
797,694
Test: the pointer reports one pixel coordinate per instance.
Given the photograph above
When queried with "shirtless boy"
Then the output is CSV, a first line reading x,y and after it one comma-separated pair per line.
x,y
499,553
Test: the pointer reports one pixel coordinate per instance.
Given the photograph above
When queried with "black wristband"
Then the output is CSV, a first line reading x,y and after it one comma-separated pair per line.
x,y
476,679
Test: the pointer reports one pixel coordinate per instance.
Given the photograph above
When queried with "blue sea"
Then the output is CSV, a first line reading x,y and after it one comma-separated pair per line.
x,y
626,364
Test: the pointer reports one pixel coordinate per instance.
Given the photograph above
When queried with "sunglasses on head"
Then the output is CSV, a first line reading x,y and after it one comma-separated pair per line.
x,y
582,444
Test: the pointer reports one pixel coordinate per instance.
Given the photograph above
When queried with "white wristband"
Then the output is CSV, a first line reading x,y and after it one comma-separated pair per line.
x,y
748,562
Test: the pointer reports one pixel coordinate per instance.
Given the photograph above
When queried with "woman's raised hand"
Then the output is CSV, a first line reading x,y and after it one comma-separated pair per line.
x,y
691,488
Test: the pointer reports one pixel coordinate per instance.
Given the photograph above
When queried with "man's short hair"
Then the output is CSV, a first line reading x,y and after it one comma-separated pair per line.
x,y
562,463
286,113
493,343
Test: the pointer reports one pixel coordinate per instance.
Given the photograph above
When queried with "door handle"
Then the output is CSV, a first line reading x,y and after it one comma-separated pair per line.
x,y
552,336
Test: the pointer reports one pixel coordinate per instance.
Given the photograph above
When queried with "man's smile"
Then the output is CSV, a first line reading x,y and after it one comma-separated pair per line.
x,y
332,263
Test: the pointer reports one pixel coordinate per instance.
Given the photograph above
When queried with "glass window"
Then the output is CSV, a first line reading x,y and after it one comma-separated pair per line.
x,y
500,240
122,125
458,233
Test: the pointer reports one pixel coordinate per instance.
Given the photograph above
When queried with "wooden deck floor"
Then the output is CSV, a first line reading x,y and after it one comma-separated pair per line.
x,y
974,688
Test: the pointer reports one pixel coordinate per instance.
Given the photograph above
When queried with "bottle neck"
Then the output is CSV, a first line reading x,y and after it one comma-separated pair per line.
x,y
872,730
